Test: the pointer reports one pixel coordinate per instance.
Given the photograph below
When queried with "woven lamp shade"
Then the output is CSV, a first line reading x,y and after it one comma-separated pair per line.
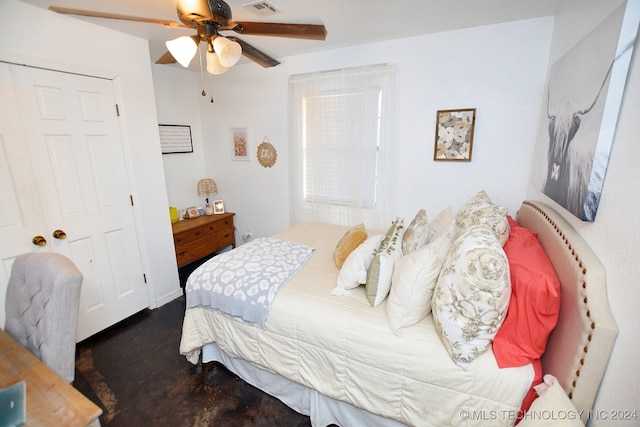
x,y
206,187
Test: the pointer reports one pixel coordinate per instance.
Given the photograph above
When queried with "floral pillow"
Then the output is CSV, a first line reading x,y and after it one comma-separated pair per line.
x,y
481,210
417,233
472,294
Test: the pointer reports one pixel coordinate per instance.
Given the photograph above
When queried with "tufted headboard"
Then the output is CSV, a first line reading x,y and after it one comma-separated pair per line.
x,y
579,347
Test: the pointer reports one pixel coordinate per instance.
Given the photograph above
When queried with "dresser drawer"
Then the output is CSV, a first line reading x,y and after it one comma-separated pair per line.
x,y
188,236
194,251
223,238
219,226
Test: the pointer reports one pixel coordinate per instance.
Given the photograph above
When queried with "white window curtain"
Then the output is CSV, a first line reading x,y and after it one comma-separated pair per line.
x,y
341,154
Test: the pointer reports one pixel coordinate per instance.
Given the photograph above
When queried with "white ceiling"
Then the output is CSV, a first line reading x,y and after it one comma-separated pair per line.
x,y
348,22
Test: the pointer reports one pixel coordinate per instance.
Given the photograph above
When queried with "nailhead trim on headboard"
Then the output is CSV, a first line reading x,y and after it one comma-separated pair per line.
x,y
584,287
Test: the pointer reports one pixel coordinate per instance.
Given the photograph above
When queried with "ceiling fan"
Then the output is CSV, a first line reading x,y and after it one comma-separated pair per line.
x,y
209,18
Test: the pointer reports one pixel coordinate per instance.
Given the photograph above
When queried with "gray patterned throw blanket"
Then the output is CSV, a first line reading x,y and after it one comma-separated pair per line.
x,y
243,282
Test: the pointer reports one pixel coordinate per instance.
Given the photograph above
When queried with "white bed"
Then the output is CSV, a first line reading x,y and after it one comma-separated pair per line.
x,y
336,359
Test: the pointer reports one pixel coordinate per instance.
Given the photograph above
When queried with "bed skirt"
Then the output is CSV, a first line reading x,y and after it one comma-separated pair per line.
x,y
322,410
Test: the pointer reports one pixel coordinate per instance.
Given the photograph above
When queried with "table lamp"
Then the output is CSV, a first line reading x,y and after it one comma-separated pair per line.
x,y
207,187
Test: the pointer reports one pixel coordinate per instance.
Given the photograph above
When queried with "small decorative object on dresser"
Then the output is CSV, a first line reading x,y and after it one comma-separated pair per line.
x,y
197,238
218,207
192,212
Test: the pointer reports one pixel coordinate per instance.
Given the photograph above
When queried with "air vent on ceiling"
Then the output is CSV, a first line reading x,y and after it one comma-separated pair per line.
x,y
262,7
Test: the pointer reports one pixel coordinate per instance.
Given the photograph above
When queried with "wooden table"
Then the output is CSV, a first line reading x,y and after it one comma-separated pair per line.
x,y
51,401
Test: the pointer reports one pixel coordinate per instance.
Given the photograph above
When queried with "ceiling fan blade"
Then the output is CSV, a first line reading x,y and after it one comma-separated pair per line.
x,y
255,55
93,14
167,58
296,31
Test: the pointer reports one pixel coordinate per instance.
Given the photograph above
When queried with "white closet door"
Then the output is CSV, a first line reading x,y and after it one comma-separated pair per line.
x,y
71,133
21,216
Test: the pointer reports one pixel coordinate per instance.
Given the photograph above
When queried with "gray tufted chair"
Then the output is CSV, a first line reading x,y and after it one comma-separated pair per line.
x,y
43,296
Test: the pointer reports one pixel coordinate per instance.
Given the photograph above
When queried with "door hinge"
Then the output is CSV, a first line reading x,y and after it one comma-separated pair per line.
x,y
144,276
131,199
117,110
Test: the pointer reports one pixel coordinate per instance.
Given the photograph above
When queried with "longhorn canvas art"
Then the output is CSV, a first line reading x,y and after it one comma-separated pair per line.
x,y
579,115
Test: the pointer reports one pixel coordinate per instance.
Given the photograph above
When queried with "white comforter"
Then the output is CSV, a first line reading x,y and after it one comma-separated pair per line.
x,y
343,348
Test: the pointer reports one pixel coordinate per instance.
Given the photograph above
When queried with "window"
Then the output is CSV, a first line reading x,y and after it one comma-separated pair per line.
x,y
341,164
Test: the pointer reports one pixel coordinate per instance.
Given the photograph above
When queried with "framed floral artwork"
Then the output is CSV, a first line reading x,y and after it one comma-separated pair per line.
x,y
239,143
454,134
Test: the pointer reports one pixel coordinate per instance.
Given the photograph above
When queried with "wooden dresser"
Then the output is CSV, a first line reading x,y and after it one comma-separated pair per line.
x,y
198,237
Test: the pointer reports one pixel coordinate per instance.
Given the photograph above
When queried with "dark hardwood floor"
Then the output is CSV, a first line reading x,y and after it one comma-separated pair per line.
x,y
135,373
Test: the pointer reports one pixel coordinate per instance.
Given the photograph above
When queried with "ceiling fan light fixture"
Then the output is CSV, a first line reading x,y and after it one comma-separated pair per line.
x,y
183,49
213,64
229,52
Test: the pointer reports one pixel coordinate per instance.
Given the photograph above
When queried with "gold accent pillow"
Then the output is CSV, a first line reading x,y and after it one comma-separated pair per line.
x,y
347,244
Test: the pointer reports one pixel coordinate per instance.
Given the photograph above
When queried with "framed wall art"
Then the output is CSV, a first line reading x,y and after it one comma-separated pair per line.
x,y
175,139
454,134
239,143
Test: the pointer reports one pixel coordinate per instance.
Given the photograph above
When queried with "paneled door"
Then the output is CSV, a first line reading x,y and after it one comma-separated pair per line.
x,y
69,154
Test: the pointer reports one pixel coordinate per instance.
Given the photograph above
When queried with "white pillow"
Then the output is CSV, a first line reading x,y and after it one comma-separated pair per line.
x,y
381,268
552,408
417,233
414,278
442,224
472,294
354,269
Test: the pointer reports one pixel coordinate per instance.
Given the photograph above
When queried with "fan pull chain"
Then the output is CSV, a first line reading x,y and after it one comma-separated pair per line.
x,y
201,71
211,80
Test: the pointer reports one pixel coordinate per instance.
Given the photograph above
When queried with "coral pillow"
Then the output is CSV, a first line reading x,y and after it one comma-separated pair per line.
x,y
535,300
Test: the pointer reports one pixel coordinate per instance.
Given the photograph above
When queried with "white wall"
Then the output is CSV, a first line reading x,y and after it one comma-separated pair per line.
x,y
183,170
498,69
59,42
615,234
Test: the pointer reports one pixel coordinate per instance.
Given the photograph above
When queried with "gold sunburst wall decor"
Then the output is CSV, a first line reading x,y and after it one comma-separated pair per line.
x,y
267,155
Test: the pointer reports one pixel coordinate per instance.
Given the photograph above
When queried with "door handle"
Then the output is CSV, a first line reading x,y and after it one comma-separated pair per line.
x,y
39,240
59,234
